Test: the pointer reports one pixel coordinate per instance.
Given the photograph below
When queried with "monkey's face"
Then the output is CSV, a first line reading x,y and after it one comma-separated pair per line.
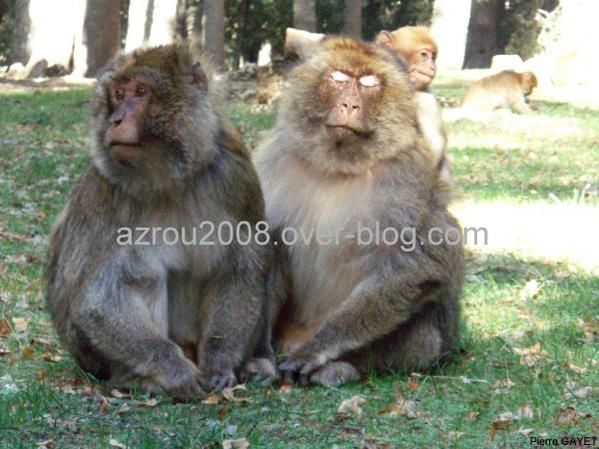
x,y
352,99
151,118
422,67
347,104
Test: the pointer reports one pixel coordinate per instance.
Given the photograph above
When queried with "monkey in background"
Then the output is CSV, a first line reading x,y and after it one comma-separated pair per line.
x,y
163,156
345,157
506,89
418,49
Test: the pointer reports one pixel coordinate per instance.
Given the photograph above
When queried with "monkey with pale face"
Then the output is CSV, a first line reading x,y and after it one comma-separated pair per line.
x,y
346,158
163,157
418,49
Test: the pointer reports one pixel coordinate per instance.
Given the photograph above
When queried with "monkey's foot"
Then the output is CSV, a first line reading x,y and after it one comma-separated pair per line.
x,y
222,380
180,379
261,370
335,373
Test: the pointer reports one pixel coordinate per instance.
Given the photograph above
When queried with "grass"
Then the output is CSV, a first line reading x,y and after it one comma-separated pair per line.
x,y
529,340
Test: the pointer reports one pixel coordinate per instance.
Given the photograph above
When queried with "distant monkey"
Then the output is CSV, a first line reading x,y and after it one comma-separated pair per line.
x,y
507,89
419,50
345,158
163,157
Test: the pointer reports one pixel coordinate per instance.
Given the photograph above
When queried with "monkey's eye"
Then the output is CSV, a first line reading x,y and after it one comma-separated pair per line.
x,y
119,94
339,77
140,90
369,81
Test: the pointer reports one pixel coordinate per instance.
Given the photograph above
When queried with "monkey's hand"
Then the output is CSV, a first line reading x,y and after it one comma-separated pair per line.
x,y
181,379
302,362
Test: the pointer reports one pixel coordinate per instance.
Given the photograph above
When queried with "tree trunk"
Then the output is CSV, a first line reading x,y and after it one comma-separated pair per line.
x,y
20,50
53,42
449,27
214,27
164,16
139,13
197,14
352,16
482,43
304,14
102,34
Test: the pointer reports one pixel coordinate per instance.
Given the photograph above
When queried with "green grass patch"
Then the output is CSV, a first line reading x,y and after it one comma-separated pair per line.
x,y
528,347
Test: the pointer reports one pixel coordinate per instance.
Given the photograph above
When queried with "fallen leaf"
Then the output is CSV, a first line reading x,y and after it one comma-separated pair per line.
x,y
104,405
524,412
525,432
20,324
453,434
114,443
118,394
241,443
4,328
568,415
47,444
52,357
229,394
3,349
502,422
530,290
149,403
212,399
530,356
286,388
124,408
352,406
413,385
27,351
42,374
471,416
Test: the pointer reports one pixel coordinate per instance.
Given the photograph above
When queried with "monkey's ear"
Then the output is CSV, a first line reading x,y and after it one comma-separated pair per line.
x,y
301,43
198,76
384,39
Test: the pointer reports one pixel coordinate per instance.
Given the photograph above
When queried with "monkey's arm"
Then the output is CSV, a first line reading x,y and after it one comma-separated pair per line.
x,y
376,307
518,103
114,314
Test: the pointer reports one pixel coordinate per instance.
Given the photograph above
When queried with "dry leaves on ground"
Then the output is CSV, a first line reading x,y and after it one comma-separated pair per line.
x,y
241,443
352,406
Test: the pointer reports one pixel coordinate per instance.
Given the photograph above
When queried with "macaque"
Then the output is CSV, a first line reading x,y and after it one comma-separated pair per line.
x,y
163,157
418,49
344,163
507,89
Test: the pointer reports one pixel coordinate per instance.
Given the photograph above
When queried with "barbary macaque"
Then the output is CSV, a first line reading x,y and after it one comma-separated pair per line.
x,y
163,157
507,89
419,51
345,162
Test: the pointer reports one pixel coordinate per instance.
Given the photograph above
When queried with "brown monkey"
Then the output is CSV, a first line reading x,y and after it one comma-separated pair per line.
x,y
125,294
346,158
419,50
507,89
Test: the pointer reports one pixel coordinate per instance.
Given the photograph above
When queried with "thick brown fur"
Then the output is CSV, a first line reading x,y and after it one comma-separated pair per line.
x,y
126,311
507,89
343,307
415,45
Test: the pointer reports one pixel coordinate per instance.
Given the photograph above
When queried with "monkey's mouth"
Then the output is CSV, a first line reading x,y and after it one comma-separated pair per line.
x,y
344,133
125,152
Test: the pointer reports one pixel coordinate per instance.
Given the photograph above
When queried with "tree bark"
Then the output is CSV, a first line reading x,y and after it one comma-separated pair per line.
x,y
352,15
102,34
449,27
304,14
214,28
20,50
482,43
